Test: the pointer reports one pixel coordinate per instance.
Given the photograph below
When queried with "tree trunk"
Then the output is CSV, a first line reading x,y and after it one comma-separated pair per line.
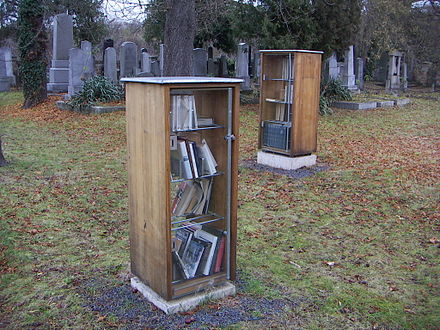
x,y
179,37
32,44
3,161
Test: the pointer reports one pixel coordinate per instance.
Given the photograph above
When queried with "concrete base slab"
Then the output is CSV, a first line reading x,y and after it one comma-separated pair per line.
x,y
96,109
400,102
385,104
5,84
284,162
355,105
182,304
59,75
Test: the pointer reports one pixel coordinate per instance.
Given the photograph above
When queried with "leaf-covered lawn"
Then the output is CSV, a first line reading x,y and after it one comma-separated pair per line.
x,y
354,246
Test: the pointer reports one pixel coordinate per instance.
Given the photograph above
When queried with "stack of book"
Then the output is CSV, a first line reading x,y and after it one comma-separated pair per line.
x,y
184,113
192,198
191,160
198,250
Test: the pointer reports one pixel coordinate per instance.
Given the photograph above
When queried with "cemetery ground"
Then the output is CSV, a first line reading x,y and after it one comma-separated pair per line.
x,y
355,245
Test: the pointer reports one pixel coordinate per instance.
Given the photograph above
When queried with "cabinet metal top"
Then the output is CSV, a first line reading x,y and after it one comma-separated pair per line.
x,y
290,51
181,80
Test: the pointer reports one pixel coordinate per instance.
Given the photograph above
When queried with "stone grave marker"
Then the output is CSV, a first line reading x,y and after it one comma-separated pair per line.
x,y
145,61
6,55
110,68
242,65
333,70
223,66
62,43
5,82
200,59
360,73
348,77
394,63
128,59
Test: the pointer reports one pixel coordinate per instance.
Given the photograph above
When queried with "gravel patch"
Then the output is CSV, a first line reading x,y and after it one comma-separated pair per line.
x,y
133,311
300,173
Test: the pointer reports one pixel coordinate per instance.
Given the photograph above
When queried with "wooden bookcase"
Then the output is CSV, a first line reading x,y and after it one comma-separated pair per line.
x,y
154,180
289,101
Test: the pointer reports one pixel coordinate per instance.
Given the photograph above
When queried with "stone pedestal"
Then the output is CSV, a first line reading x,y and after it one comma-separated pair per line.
x,y
186,303
62,43
284,162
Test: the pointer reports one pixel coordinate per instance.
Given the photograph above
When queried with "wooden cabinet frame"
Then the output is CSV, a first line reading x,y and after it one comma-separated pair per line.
x,y
298,89
148,104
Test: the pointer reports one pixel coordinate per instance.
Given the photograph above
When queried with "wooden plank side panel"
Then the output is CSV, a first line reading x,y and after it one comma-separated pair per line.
x,y
148,185
306,103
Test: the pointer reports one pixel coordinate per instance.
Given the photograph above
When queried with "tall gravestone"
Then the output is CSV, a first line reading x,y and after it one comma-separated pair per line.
x,y
81,66
161,58
360,73
332,63
6,56
242,65
128,59
5,82
212,68
394,63
110,69
405,76
106,44
62,43
145,62
223,66
200,60
348,77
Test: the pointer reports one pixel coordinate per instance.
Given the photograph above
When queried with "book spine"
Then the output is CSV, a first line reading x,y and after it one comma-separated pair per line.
x,y
221,252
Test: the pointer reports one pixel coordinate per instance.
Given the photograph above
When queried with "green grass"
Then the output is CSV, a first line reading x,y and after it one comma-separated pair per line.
x,y
7,98
355,246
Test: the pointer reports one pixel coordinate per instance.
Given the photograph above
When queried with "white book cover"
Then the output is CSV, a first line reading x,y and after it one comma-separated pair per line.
x,y
186,166
201,234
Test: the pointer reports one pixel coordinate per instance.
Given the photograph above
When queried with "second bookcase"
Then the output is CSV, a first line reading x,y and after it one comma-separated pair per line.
x,y
182,165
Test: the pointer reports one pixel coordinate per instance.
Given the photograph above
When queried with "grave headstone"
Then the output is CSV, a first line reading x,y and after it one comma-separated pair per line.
x,y
155,68
333,70
257,68
394,63
223,66
161,59
212,68
348,77
89,61
360,73
128,59
62,43
110,69
106,44
405,76
6,56
200,58
76,63
210,52
145,61
5,83
81,66
242,65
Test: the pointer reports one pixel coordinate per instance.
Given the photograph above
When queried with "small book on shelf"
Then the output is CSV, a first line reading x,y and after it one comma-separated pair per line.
x,y
192,256
183,112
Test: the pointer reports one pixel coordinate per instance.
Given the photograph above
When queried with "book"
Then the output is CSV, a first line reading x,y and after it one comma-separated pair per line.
x,y
219,234
204,259
213,239
180,268
184,235
183,112
193,158
209,163
221,252
205,121
192,256
185,164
